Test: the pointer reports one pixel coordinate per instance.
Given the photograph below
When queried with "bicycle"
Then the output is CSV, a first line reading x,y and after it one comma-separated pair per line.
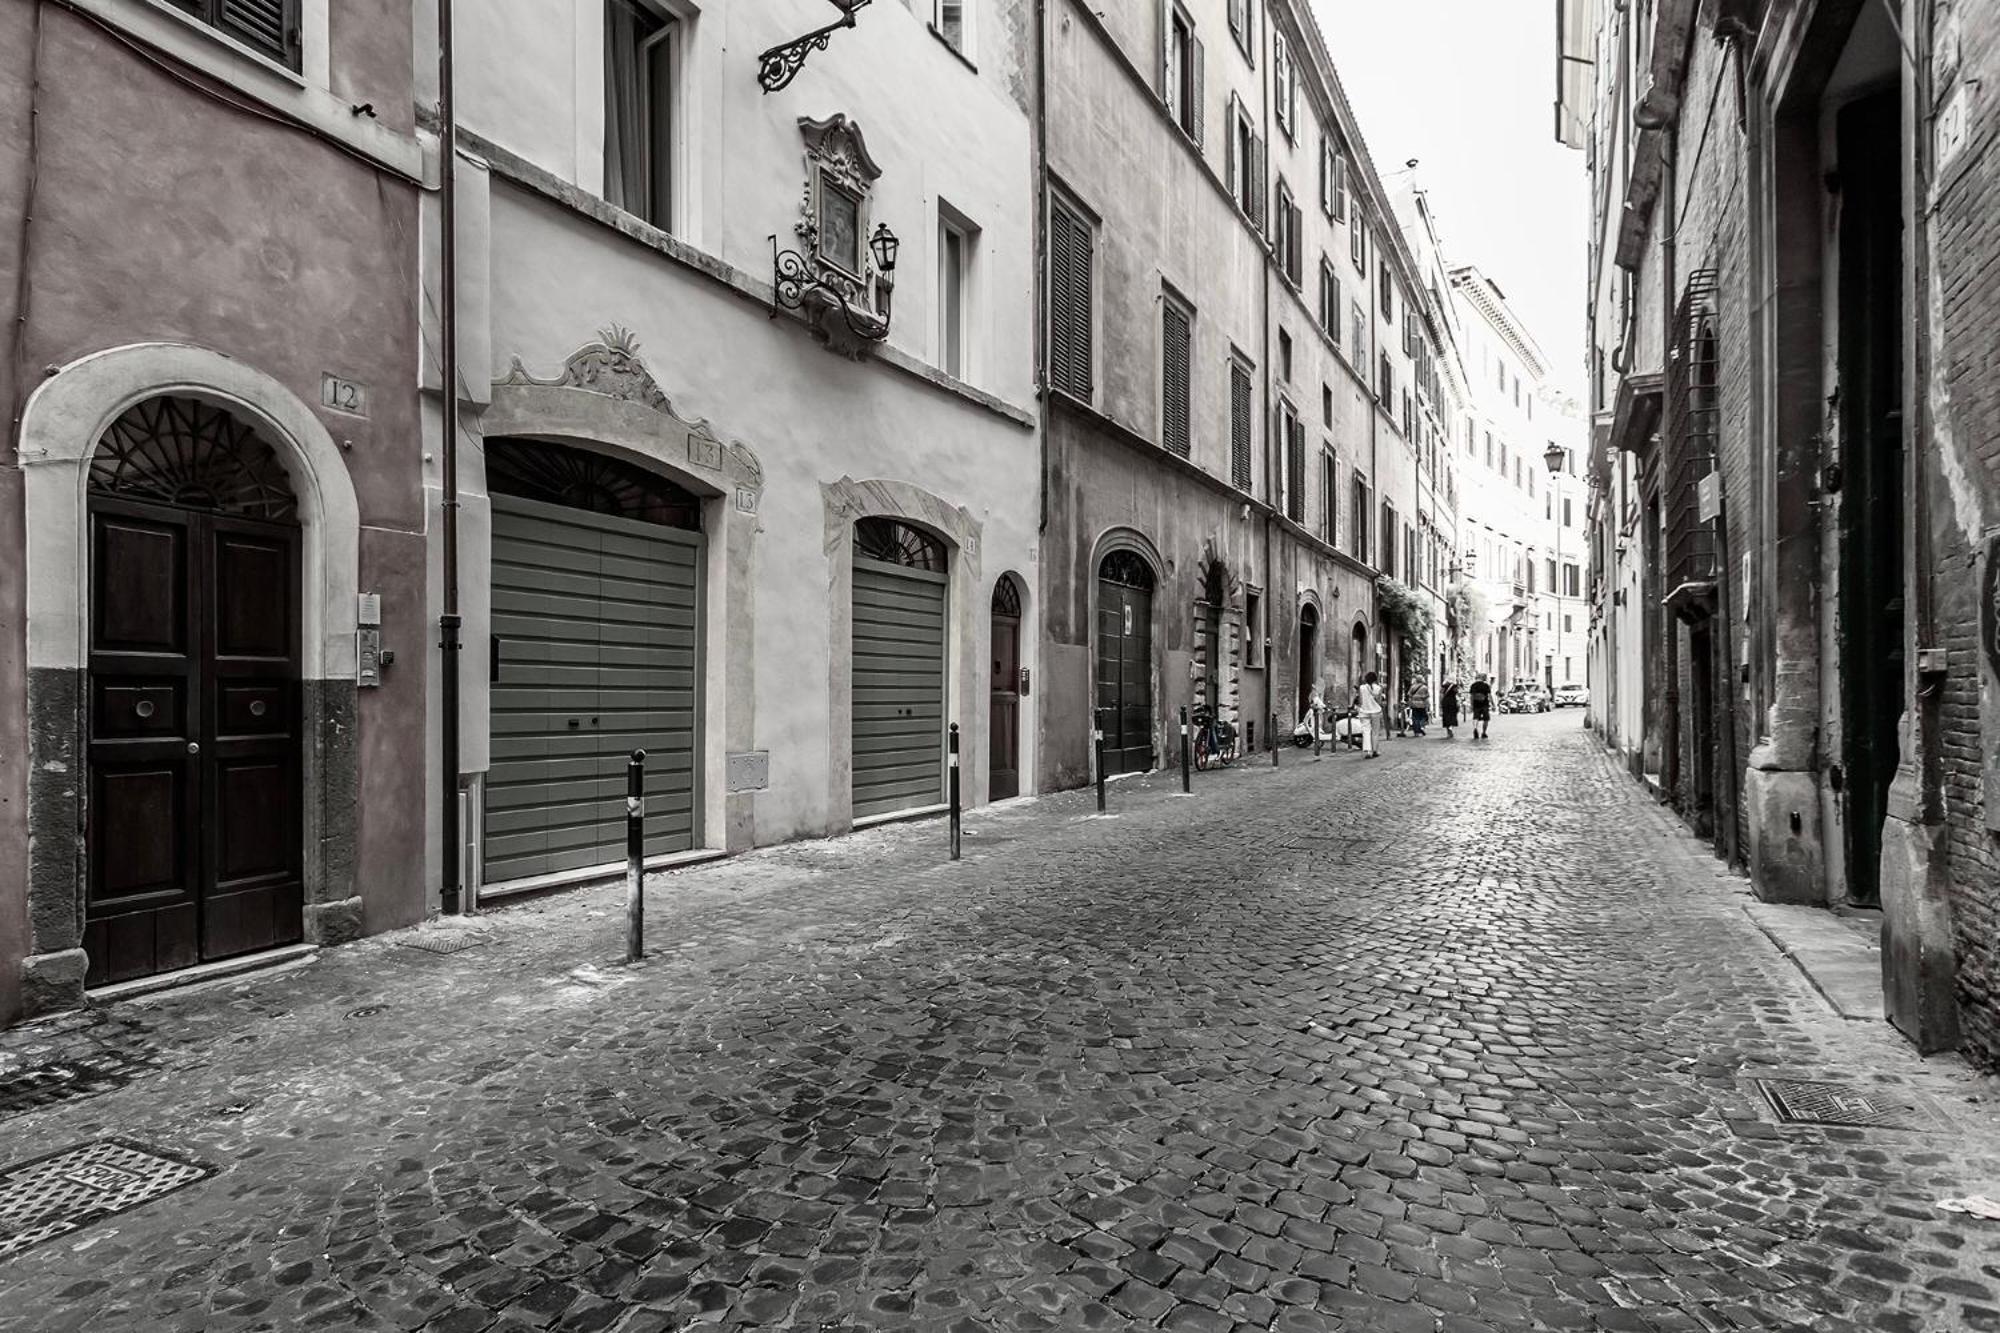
x,y
1214,740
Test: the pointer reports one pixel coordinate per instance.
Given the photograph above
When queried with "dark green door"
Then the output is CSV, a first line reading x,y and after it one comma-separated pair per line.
x,y
1125,662
899,664
596,627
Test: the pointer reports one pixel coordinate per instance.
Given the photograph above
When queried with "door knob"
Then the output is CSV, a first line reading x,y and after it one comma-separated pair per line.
x,y
194,747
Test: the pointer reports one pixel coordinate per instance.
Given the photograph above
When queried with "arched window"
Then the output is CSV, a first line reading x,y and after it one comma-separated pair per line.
x,y
1128,568
182,451
580,479
896,543
1007,598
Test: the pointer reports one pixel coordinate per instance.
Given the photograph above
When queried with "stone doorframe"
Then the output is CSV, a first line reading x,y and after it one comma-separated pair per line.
x,y
1128,539
65,419
968,615
606,400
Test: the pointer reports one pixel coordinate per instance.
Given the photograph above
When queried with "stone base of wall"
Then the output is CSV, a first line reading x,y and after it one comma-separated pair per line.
x,y
335,922
1919,963
1786,864
53,982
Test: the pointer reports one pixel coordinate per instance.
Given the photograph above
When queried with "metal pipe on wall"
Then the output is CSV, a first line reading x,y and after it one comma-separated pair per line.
x,y
449,621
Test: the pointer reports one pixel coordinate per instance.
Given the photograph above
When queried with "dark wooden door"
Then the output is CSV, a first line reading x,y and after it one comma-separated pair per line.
x,y
194,826
1125,675
1004,776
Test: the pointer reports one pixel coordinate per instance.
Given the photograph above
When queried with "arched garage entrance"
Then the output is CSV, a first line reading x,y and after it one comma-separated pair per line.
x,y
901,576
595,652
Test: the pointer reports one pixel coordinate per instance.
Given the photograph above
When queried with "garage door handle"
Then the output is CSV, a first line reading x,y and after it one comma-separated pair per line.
x,y
576,722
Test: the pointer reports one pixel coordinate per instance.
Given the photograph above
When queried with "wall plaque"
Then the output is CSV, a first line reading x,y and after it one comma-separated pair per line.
x,y
750,770
349,396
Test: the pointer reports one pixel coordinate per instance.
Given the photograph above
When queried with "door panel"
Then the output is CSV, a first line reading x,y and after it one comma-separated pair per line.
x,y
1004,721
194,828
1125,676
898,688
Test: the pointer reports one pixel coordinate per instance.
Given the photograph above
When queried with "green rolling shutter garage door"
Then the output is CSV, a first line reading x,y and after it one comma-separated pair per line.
x,y
898,688
596,622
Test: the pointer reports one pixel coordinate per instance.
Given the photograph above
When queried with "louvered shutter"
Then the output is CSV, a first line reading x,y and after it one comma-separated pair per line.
x,y
1260,205
1295,470
1165,62
269,26
1339,187
1070,262
1229,151
1197,120
1239,427
1175,352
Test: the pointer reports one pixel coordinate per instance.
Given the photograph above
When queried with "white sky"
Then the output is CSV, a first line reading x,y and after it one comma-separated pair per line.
x,y
1467,87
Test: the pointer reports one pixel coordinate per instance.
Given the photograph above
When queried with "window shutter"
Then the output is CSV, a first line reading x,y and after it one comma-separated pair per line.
x,y
1296,463
1197,120
1339,187
1174,389
1229,151
1165,62
270,26
1070,262
1239,426
1260,202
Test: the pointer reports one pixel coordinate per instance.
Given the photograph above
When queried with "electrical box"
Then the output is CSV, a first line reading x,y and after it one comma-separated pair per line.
x,y
369,658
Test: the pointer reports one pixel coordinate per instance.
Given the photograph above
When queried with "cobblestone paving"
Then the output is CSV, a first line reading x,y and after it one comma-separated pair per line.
x,y
1455,1040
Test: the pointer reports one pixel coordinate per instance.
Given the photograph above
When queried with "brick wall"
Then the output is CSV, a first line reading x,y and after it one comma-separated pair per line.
x,y
1964,497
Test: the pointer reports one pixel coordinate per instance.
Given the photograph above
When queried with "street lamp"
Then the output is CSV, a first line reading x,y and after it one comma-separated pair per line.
x,y
1554,456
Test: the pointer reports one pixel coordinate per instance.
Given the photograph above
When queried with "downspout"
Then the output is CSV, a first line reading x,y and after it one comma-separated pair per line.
x,y
23,283
1270,420
449,620
1041,249
1927,702
1670,689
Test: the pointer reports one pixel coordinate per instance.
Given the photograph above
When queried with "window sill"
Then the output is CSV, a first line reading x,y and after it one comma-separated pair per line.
x,y
946,43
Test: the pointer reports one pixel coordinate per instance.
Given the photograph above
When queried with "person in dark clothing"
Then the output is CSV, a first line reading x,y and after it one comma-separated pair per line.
x,y
1448,707
1482,707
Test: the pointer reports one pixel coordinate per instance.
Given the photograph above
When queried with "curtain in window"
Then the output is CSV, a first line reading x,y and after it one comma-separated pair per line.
x,y
625,156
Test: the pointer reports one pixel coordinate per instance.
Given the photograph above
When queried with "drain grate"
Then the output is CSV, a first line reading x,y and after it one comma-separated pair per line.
x,y
1802,1102
69,1190
447,944
42,1085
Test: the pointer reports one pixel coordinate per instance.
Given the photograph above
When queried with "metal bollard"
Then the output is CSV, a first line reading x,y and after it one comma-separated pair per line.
x,y
635,857
1187,754
954,791
1097,734
1277,742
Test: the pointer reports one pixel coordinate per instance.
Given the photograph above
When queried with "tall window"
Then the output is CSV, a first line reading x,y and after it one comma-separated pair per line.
x,y
1241,18
1388,557
1329,496
1329,300
1290,223
1243,164
1184,74
1332,181
1357,244
1388,383
1284,356
1357,527
641,67
1284,86
1293,433
1388,286
957,245
1176,368
949,18
1239,425
1072,255
269,27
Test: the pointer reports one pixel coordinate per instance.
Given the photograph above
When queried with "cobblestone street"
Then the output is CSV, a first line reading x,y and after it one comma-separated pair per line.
x,y
1460,1039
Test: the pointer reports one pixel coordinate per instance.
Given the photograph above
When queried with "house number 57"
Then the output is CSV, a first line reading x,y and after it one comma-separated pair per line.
x,y
343,395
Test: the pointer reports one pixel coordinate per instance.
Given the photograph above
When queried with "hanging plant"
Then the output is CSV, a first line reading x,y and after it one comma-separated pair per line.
x,y
1406,614
1466,608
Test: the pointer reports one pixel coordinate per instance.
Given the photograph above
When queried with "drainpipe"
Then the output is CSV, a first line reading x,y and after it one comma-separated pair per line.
x,y
1670,690
1270,419
448,621
1926,704
1041,250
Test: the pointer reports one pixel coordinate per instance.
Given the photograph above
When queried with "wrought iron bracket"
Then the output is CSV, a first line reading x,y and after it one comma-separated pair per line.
x,y
778,66
796,283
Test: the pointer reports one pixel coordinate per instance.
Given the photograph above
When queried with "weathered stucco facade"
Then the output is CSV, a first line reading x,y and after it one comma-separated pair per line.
x,y
1792,512
161,243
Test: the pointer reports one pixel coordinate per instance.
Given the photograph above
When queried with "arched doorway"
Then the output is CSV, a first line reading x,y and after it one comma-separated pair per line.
x,y
1004,721
194,823
1209,628
1358,664
1308,655
901,573
595,652
1125,661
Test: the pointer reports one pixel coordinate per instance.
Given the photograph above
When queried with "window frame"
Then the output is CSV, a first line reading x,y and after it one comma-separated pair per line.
x,y
1172,307
951,223
668,160
966,33
1062,205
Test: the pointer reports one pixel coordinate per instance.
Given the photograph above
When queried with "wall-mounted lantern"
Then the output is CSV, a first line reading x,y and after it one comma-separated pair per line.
x,y
778,66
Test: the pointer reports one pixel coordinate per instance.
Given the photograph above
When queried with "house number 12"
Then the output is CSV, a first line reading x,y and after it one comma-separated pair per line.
x,y
343,395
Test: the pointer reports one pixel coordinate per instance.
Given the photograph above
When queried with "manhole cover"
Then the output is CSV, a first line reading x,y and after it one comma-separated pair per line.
x,y
366,1011
447,944
1800,1102
66,1191
66,1080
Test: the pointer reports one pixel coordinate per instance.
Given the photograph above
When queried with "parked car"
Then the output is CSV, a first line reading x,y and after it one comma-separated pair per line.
x,y
1572,696
1525,699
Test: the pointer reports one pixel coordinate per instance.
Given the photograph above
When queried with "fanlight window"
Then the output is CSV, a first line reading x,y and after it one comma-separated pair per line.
x,y
578,479
1128,568
182,451
895,543
1007,598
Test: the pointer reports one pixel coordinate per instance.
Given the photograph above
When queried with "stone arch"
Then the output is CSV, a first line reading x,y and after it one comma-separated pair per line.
x,y
1110,542
60,429
843,503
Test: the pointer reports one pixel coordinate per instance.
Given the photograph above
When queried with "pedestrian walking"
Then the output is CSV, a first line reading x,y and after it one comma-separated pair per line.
x,y
1482,707
1368,708
1448,707
1419,699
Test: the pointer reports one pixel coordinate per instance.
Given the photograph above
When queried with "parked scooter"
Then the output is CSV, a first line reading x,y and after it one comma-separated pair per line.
x,y
1326,726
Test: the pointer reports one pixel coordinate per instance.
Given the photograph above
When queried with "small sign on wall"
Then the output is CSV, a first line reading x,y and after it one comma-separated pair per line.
x,y
348,396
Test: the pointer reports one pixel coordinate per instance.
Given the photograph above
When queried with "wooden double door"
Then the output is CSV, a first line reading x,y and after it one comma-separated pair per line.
x,y
194,827
1125,663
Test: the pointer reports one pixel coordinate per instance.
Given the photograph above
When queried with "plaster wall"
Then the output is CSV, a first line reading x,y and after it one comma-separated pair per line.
x,y
292,259
809,419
